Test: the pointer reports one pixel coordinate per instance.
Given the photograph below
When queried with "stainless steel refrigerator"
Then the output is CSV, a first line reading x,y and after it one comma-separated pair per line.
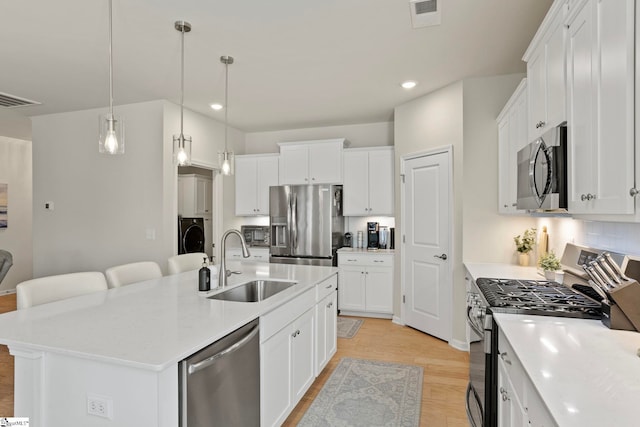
x,y
306,222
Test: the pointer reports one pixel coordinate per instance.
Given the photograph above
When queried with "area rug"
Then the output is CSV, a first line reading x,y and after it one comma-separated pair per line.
x,y
368,393
347,327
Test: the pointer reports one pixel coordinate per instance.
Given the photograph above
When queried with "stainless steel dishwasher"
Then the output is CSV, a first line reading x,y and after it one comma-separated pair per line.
x,y
220,384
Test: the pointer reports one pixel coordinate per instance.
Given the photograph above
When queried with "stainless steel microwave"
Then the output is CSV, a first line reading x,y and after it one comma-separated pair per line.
x,y
542,172
256,235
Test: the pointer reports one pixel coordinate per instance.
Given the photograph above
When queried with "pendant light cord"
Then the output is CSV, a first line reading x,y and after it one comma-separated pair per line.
x,y
111,58
182,90
226,103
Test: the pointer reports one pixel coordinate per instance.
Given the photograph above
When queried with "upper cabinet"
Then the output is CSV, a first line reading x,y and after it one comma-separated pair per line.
x,y
512,136
368,181
195,195
546,72
600,81
254,175
311,162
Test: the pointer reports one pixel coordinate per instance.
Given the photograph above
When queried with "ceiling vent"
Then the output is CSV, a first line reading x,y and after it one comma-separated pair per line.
x,y
424,13
10,101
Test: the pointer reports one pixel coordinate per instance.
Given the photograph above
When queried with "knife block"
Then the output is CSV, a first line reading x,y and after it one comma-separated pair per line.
x,y
614,318
627,297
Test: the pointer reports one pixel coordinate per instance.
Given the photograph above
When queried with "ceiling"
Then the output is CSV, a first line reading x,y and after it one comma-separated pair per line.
x,y
298,63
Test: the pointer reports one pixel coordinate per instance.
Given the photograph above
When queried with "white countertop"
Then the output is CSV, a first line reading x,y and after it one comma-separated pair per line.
x,y
348,250
152,324
587,374
502,271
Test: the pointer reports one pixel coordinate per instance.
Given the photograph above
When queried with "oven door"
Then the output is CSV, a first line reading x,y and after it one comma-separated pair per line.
x,y
474,400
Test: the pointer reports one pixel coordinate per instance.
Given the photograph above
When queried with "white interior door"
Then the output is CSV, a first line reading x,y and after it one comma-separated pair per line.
x,y
428,277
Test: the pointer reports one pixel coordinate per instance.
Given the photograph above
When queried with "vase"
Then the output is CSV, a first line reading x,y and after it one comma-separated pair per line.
x,y
523,259
550,275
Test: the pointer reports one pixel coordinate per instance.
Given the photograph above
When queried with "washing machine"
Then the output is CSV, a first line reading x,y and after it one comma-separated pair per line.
x,y
191,235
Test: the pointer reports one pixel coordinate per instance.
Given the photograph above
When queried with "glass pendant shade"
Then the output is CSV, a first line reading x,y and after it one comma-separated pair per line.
x,y
111,135
225,160
182,150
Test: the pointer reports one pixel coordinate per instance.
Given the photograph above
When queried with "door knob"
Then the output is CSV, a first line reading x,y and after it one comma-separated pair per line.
x,y
442,257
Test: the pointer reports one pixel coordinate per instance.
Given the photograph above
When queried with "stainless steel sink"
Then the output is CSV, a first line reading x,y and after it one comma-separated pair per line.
x,y
254,291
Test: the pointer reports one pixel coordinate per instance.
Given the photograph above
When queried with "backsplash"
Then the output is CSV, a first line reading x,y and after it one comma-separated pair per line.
x,y
613,236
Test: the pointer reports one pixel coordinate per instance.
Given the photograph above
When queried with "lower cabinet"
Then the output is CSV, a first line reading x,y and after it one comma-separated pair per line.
x,y
366,284
326,323
296,342
519,403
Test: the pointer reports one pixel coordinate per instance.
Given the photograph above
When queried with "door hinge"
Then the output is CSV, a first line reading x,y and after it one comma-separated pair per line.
x,y
402,177
404,300
403,239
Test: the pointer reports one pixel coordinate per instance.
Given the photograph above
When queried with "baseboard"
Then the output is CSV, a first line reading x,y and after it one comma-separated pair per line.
x,y
397,320
365,314
7,292
459,345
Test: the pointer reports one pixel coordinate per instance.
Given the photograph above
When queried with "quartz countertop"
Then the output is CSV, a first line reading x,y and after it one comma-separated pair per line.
x,y
151,324
502,271
347,250
587,374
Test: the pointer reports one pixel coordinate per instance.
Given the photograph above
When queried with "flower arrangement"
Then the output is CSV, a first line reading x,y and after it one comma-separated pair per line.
x,y
526,241
549,262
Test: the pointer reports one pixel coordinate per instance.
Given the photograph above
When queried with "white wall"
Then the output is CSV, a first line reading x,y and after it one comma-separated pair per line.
x,y
15,170
358,135
463,115
112,210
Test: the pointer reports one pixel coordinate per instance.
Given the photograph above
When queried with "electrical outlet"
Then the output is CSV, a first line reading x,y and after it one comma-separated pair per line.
x,y
100,406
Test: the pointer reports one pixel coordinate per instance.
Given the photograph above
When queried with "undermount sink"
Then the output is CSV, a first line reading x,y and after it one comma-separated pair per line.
x,y
254,291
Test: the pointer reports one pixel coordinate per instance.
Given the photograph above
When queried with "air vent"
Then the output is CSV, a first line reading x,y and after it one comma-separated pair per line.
x,y
424,13
10,101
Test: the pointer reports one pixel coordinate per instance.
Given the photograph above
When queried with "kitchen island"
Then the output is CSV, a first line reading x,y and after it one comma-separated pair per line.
x,y
124,344
583,373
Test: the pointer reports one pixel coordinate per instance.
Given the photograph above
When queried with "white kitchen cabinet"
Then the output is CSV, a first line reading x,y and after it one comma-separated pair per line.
x,y
368,181
254,175
519,404
326,322
195,193
255,254
546,72
366,284
512,136
311,162
600,71
287,355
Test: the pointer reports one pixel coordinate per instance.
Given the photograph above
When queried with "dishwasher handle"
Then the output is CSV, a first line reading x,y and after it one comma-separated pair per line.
x,y
211,359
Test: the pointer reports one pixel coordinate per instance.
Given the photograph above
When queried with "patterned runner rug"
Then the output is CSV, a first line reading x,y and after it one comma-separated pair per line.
x,y
348,327
368,393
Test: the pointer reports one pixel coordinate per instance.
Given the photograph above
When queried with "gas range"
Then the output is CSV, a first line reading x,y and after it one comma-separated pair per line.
x,y
536,297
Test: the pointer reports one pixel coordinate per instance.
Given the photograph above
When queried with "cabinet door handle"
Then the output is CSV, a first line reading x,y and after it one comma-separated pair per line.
x,y
330,305
503,356
351,260
378,260
328,286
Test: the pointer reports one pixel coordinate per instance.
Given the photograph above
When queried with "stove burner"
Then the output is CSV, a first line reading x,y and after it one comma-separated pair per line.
x,y
537,297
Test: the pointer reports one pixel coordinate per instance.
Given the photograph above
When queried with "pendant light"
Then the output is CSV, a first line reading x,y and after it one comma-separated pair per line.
x,y
111,140
182,142
226,158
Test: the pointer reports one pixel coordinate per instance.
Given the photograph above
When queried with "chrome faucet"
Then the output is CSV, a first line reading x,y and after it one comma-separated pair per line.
x,y
224,273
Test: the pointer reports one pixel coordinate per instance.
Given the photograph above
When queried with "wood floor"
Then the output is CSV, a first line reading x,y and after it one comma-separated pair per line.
x,y
445,369
7,303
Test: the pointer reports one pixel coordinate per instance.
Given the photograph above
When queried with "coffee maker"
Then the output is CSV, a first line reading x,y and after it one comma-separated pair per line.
x,y
372,235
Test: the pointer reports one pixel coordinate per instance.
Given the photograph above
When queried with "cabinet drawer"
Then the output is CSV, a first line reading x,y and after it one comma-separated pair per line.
x,y
277,319
379,260
513,367
326,287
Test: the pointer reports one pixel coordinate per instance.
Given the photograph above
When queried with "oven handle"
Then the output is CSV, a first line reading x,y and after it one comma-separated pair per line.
x,y
472,323
468,406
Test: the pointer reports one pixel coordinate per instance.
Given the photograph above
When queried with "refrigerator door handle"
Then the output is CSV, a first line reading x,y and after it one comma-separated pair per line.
x,y
294,225
289,222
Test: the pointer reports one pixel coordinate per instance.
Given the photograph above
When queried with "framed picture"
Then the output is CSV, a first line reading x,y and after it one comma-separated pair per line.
x,y
4,201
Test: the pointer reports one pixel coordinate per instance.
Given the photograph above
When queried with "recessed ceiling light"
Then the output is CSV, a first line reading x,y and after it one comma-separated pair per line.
x,y
409,84
216,107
